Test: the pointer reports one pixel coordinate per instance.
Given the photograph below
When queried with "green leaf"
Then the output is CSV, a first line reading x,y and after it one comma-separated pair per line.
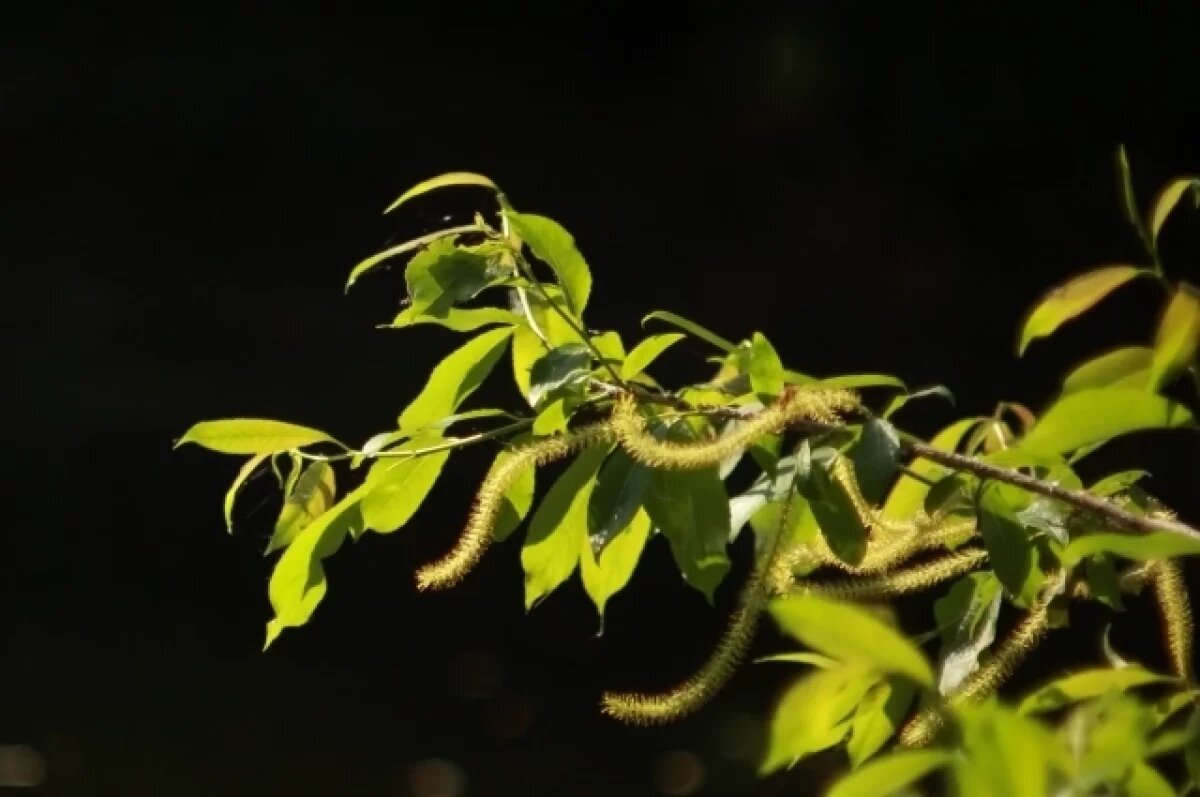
x,y
1103,583
1178,335
852,381
517,500
1166,201
558,529
1085,686
1158,545
442,181
552,418
231,494
1010,551
1074,298
527,347
458,319
908,494
617,498
311,496
1006,754
813,714
1117,482
400,485
555,247
692,328
876,458
251,436
691,509
898,402
1094,416
1128,366
298,582
834,512
799,657
610,347
849,633
455,378
764,368
404,248
1145,781
890,774
1191,752
966,619
559,368
877,718
605,574
647,352
443,275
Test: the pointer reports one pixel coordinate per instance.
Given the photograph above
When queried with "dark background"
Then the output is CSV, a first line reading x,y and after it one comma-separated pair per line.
x,y
185,189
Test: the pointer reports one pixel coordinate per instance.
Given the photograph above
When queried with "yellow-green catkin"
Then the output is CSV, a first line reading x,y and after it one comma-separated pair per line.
x,y
1170,592
477,535
794,406
902,582
730,651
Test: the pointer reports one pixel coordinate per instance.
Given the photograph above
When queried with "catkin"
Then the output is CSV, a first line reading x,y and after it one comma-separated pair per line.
x,y
1170,592
914,579
477,535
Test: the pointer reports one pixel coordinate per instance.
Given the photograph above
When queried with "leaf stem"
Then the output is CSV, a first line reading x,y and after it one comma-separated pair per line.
x,y
445,445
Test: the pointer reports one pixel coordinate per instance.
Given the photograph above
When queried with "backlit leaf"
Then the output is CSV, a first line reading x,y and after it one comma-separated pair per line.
x,y
310,497
852,381
966,619
764,367
1073,298
561,367
813,714
1085,686
442,275
442,181
455,378
891,774
1093,416
1158,545
1166,201
1128,366
517,500
834,512
404,248
1178,335
647,352
1117,482
1145,781
908,494
1010,551
692,328
251,436
458,319
400,485
850,634
616,499
607,573
879,714
691,509
559,527
555,247
231,494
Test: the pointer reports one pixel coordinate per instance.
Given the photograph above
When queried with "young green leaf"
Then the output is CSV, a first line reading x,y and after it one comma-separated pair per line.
x,y
878,716
298,582
555,247
1094,416
1085,686
617,498
606,573
558,529
966,620
691,509
799,657
1073,298
850,634
455,378
898,402
399,486
1178,335
443,275
1006,754
231,495
400,249
310,497
1009,548
442,181
1116,483
834,512
1146,781
251,436
813,714
1166,201
647,352
692,328
517,501
764,368
891,774
458,319
853,381
528,346
876,458
908,494
559,368
1128,366
1158,545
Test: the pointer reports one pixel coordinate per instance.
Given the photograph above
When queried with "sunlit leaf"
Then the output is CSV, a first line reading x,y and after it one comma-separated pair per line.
x,y
1010,550
558,368
1146,781
1128,197
251,436
852,381
878,716
559,527
1093,416
799,657
764,367
834,512
404,248
908,494
1178,335
552,418
647,352
555,247
310,497
527,346
1085,686
616,499
298,582
890,774
605,574
1191,752
813,714
243,473
442,275
1166,201
400,485
442,181
1128,366
692,328
1103,583
876,457
455,378
966,619
849,633
691,509
611,349
898,402
1007,755
458,319
517,500
1117,482
1157,545
1073,298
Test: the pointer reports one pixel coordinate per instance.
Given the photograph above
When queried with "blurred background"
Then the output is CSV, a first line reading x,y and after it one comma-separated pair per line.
x,y
877,187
